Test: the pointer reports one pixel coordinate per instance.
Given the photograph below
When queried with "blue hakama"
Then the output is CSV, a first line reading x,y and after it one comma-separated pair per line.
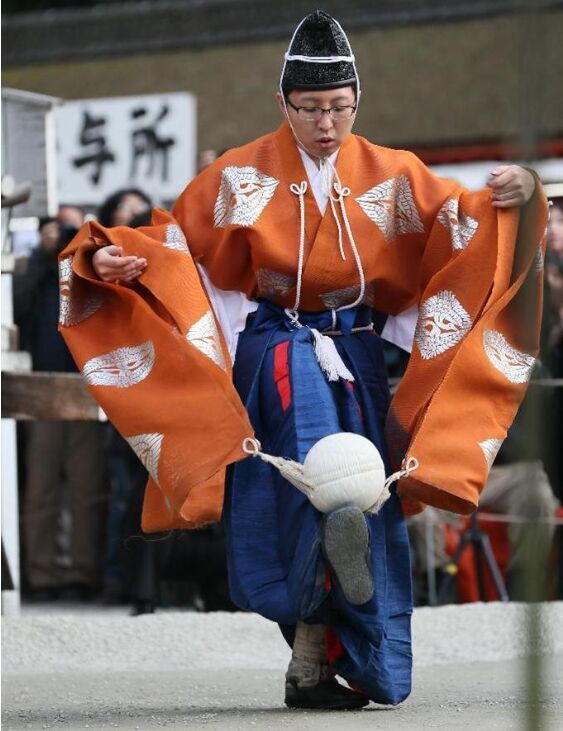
x,y
275,563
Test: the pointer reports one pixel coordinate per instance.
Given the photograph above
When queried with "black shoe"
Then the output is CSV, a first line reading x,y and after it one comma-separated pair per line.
x,y
142,607
77,592
114,594
345,544
327,695
39,596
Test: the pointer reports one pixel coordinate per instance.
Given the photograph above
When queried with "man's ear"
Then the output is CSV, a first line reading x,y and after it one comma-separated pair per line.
x,y
281,104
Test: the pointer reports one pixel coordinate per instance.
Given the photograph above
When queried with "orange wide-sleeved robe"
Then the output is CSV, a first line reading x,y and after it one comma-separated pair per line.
x,y
154,356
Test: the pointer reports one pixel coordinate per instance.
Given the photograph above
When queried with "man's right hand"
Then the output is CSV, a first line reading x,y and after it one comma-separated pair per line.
x,y
111,266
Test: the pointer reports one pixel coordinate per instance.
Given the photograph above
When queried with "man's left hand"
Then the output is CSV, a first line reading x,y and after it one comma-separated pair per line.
x,y
511,186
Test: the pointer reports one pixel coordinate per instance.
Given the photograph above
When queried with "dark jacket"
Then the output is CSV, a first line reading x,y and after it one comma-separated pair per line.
x,y
36,313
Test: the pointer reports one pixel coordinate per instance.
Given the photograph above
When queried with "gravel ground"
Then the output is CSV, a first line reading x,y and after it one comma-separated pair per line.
x,y
99,670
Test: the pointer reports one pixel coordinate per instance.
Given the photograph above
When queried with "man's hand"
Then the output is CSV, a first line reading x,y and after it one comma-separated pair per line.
x,y
511,186
111,266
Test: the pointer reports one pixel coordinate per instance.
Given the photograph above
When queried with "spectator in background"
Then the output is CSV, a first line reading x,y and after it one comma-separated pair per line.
x,y
121,207
57,452
126,472
555,227
135,566
554,277
553,355
71,216
205,159
519,489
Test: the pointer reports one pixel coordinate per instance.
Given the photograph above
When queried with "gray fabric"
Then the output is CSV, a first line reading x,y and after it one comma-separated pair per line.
x,y
520,489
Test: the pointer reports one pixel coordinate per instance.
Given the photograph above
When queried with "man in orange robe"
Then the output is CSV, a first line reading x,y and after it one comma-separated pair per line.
x,y
312,229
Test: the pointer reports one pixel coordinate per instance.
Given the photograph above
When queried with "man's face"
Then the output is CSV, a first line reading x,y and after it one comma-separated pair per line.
x,y
323,137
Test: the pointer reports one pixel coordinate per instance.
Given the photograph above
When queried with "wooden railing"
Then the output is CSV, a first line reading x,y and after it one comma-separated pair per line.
x,y
47,397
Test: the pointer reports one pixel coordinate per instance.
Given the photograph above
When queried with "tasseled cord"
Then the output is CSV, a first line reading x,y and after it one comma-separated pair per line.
x,y
293,472
329,358
326,353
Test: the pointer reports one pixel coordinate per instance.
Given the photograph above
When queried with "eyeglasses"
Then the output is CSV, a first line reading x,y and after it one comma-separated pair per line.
x,y
315,114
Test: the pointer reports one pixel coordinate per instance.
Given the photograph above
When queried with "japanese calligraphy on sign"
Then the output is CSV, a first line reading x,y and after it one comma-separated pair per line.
x,y
148,142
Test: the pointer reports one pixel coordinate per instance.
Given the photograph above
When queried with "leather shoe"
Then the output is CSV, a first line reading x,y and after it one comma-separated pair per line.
x,y
327,695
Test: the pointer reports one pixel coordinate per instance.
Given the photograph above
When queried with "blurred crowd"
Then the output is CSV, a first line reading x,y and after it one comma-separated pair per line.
x,y
82,485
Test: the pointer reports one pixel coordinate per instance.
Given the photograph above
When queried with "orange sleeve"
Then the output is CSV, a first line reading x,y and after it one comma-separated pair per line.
x,y
138,347
479,297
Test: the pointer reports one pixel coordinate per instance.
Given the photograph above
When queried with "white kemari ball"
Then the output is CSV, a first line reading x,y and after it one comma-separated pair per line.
x,y
344,469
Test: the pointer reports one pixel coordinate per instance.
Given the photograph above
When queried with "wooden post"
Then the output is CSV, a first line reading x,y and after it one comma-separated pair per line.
x,y
10,514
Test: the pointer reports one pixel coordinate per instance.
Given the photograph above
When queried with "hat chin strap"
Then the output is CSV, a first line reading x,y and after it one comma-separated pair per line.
x,y
295,135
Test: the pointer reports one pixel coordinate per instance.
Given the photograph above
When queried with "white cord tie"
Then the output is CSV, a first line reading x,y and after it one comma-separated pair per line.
x,y
325,163
338,226
342,191
357,259
409,465
334,321
299,189
252,446
293,316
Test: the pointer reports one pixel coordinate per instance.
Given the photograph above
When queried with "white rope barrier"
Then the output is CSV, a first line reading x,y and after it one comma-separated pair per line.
x,y
496,518
500,518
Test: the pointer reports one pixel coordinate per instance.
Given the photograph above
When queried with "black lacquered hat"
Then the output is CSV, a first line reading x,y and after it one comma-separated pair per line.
x,y
319,56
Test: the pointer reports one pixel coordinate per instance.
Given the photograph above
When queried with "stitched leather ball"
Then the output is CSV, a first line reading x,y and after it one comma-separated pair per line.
x,y
344,469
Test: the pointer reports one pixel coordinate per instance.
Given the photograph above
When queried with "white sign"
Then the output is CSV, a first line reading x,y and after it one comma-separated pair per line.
x,y
146,142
